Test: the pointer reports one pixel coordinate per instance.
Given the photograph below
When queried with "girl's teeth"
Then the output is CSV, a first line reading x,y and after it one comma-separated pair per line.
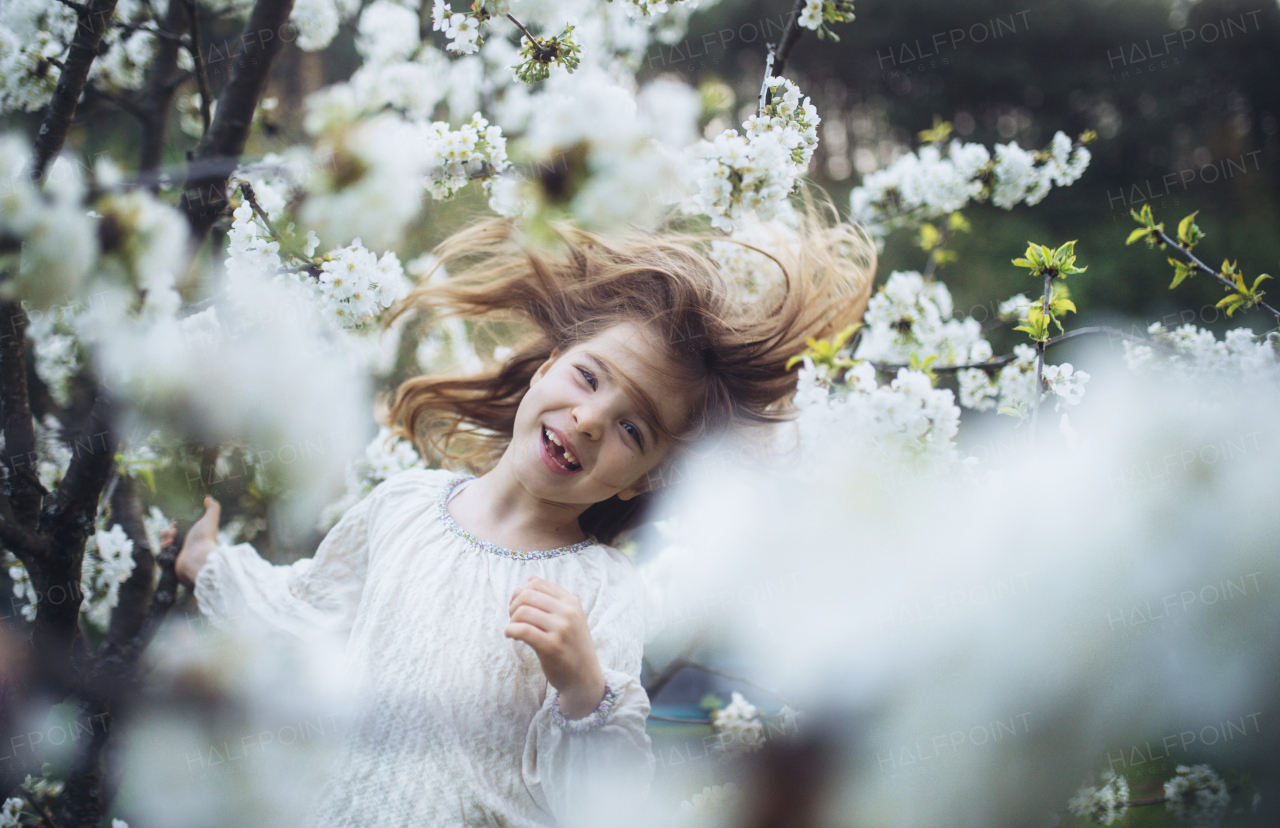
x,y
568,457
551,435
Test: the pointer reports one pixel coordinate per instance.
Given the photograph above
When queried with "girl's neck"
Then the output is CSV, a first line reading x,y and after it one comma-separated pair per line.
x,y
497,508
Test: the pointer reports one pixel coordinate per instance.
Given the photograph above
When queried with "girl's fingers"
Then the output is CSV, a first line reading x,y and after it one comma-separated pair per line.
x,y
543,620
532,598
539,640
550,588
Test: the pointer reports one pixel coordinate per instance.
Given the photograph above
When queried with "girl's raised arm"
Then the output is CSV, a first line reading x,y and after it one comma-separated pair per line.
x,y
598,767
319,595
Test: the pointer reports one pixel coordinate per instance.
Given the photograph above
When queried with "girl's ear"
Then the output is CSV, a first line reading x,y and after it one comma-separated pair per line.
x,y
542,369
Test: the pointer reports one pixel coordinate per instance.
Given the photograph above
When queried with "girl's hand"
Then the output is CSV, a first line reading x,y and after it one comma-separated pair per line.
x,y
550,619
202,539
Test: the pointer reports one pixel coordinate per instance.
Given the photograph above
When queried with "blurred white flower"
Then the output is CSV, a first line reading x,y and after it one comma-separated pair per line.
x,y
1198,795
738,727
1104,803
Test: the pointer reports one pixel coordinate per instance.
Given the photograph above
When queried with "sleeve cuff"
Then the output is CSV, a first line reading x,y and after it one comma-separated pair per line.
x,y
592,720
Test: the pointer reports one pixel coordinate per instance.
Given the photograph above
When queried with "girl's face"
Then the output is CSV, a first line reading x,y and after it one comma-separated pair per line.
x,y
578,437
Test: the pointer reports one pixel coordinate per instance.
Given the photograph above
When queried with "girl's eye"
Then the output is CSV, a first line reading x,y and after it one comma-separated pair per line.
x,y
635,433
631,429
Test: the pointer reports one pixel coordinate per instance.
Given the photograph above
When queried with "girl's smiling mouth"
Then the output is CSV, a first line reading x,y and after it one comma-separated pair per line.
x,y
558,457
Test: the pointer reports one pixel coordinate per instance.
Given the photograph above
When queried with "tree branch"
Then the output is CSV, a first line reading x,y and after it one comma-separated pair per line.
x,y
205,195
675,665
197,55
790,36
91,24
1206,269
697,665
67,521
135,592
160,91
1040,346
544,52
22,488
82,802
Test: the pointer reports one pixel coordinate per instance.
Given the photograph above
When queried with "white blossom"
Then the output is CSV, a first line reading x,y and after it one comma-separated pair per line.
x,y
757,171
356,286
927,184
10,810
1199,355
59,240
23,589
1065,383
738,726
1198,795
909,317
108,562
1104,803
908,419
388,31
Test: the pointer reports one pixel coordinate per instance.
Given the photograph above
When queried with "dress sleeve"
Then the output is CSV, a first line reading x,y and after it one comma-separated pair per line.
x,y
597,770
236,588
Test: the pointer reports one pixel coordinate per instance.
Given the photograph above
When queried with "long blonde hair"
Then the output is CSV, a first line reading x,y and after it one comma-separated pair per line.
x,y
731,352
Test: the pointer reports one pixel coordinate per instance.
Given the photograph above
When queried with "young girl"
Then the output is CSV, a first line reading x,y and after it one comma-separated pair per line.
x,y
496,631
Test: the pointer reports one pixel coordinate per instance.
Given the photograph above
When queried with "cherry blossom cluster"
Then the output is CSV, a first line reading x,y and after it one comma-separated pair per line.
x,y
906,419
315,21
59,241
57,354
356,285
23,589
756,172
1012,386
602,152
35,34
738,726
913,317
1104,803
367,178
1197,794
476,150
1200,355
108,562
929,184
818,13
788,118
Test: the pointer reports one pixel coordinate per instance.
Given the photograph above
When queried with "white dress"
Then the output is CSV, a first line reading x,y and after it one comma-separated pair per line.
x,y
459,726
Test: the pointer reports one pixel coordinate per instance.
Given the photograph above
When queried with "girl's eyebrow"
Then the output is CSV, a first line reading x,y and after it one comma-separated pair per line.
x,y
606,369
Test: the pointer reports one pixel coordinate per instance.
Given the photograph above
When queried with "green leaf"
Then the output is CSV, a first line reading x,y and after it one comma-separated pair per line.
x,y
711,702
148,477
1181,272
930,237
1188,233
1136,234
938,134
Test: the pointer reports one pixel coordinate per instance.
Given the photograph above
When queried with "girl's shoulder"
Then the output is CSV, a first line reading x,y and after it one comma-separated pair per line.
x,y
415,483
616,567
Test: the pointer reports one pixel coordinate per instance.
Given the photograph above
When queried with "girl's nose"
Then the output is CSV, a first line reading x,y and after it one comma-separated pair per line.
x,y
589,420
